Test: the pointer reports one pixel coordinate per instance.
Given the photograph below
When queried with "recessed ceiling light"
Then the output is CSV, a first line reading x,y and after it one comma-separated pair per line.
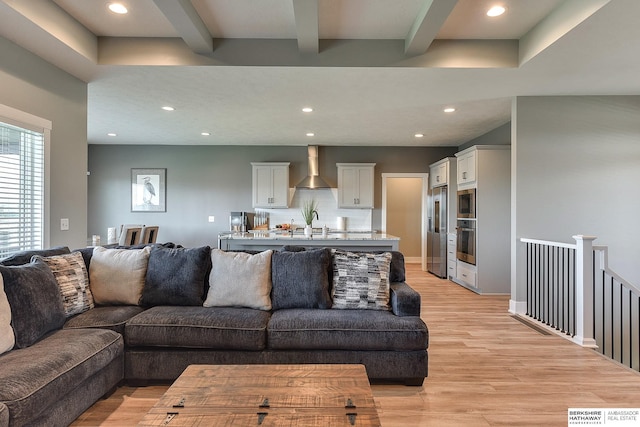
x,y
205,133
496,11
419,135
111,134
310,134
118,8
168,108
307,109
449,110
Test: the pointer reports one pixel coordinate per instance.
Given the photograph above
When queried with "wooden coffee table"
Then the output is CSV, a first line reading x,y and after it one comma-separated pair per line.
x,y
267,395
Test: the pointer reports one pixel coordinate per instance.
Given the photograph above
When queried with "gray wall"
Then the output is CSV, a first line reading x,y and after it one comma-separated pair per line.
x,y
498,136
575,170
214,180
36,87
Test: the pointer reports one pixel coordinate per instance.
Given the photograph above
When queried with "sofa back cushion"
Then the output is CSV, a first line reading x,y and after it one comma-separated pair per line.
x,y
36,306
116,276
360,280
300,279
176,276
73,281
239,279
24,257
7,338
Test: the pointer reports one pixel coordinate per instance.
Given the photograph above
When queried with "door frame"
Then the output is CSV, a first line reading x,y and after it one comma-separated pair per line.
x,y
423,215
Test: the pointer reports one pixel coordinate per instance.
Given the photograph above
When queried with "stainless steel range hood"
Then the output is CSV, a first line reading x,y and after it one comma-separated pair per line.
x,y
313,180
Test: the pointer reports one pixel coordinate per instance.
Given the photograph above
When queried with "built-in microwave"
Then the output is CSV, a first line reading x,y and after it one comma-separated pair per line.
x,y
467,203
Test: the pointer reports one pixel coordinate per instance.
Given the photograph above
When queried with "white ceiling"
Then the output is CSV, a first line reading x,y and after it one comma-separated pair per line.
x,y
243,69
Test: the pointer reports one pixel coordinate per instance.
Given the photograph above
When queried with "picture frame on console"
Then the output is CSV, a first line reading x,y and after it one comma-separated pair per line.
x,y
148,190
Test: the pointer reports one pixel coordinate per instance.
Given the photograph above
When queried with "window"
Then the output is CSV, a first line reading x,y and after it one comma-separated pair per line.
x,y
22,187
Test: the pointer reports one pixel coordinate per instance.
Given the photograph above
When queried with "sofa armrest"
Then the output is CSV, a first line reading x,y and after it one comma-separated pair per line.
x,y
404,300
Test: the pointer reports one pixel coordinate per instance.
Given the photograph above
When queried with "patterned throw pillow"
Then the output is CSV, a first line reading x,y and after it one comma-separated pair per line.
x,y
360,280
71,274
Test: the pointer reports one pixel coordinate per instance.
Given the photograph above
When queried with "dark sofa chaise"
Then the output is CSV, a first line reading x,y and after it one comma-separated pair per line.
x,y
190,312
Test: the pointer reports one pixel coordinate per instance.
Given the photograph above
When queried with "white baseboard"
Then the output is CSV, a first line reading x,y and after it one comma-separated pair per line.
x,y
517,307
412,260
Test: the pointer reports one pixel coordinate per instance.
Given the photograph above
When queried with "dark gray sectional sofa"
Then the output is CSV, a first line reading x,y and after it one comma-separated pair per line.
x,y
54,380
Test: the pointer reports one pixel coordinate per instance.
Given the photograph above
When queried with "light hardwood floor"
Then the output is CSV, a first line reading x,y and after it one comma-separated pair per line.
x,y
485,369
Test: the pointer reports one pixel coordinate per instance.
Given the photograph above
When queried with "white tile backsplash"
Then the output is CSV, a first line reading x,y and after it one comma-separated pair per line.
x,y
328,212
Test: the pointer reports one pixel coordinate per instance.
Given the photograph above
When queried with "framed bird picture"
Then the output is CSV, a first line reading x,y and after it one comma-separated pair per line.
x,y
148,190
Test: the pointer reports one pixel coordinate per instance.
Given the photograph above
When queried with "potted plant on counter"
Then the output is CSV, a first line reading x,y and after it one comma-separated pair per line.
x,y
309,210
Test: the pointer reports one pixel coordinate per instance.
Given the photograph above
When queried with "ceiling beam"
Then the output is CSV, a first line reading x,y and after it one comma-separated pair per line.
x,y
557,24
426,26
306,16
186,21
46,30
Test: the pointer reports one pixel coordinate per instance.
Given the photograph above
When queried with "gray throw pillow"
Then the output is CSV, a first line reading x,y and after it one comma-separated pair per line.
x,y
239,279
36,305
300,279
176,276
360,280
116,276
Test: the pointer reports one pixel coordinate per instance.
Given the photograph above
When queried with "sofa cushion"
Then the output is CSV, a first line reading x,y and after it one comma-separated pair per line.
x,y
116,276
34,378
311,329
73,281
226,328
36,306
176,276
239,279
24,257
300,279
111,317
360,280
7,338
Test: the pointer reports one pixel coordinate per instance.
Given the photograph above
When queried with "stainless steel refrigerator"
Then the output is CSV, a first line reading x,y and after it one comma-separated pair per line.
x,y
437,232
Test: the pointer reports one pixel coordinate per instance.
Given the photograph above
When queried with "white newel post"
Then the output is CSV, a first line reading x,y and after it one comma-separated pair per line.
x,y
584,291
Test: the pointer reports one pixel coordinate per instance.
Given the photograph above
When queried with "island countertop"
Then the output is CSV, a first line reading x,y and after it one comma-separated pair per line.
x,y
350,240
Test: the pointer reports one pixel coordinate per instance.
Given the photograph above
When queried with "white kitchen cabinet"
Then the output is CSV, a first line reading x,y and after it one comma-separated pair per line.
x,y
270,185
466,167
490,168
439,173
355,185
466,274
451,256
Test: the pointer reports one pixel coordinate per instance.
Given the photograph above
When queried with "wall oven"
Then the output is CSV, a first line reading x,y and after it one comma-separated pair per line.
x,y
466,241
467,203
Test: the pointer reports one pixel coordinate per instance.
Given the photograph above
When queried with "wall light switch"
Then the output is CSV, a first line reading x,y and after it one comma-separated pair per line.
x,y
212,218
64,224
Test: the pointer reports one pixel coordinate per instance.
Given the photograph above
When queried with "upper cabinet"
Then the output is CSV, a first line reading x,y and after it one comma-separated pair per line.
x,y
270,185
466,167
439,173
355,185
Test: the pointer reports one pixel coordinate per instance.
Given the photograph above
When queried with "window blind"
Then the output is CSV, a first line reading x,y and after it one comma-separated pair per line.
x,y
21,189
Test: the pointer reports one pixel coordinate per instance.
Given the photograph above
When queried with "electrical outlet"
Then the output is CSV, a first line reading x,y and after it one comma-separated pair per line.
x,y
64,224
212,218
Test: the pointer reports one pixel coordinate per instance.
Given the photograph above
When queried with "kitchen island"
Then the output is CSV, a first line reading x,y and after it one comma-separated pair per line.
x,y
348,240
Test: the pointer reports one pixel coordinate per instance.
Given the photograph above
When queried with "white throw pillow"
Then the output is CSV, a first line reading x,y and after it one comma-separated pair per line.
x,y
73,281
239,279
7,338
116,276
